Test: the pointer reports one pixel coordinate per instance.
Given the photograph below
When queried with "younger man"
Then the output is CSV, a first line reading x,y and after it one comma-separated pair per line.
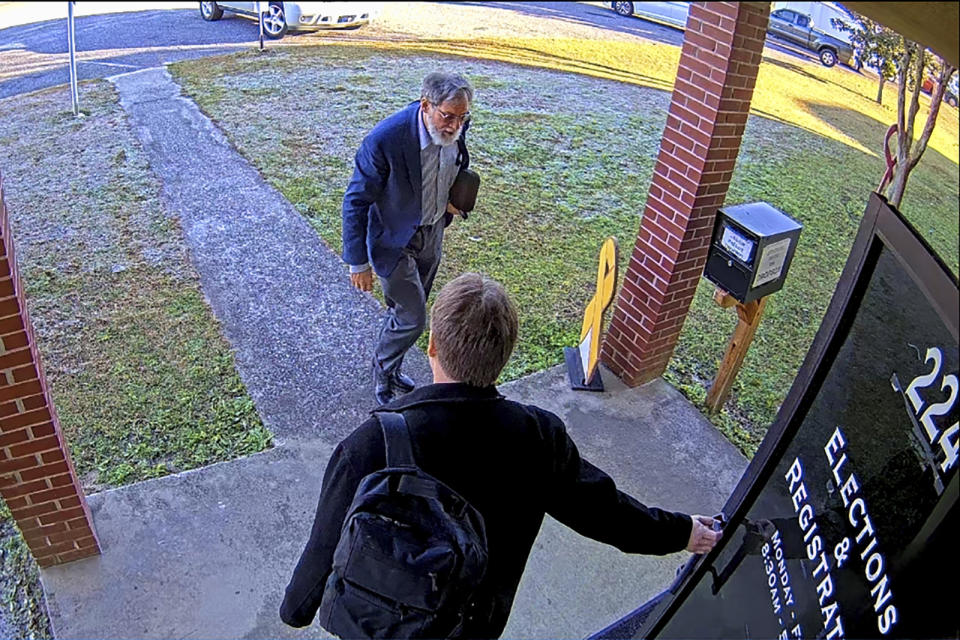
x,y
513,462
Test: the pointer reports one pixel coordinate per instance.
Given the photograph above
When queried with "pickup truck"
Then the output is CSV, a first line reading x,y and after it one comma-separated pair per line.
x,y
797,28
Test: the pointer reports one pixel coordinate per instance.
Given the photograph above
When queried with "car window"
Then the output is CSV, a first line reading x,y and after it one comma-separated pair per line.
x,y
786,15
803,20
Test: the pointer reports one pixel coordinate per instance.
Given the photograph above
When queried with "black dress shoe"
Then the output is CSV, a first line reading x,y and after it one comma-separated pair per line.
x,y
402,382
383,388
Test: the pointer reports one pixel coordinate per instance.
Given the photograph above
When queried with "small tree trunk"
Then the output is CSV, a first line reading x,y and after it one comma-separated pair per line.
x,y
883,81
912,62
904,136
899,185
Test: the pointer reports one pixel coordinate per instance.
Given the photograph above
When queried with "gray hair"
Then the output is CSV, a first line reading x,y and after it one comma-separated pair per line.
x,y
438,87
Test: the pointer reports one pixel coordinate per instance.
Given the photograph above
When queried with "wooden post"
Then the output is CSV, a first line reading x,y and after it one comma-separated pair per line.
x,y
749,318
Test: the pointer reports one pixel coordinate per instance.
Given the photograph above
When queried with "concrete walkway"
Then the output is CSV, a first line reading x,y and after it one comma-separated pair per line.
x,y
207,553
282,297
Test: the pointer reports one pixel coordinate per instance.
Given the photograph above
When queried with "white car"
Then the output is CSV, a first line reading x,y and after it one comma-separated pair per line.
x,y
950,95
673,14
279,17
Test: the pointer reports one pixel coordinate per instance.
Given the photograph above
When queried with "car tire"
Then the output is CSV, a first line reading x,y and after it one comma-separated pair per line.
x,y
275,21
623,8
828,57
210,11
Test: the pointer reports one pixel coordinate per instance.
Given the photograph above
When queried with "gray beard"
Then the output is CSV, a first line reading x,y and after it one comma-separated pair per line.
x,y
440,139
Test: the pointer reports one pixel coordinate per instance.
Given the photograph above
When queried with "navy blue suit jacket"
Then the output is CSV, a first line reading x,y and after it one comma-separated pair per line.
x,y
382,205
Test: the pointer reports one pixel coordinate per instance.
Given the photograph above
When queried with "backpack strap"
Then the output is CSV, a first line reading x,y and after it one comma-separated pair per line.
x,y
396,439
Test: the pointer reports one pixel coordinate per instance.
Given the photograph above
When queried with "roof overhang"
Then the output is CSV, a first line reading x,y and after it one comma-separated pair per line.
x,y
932,24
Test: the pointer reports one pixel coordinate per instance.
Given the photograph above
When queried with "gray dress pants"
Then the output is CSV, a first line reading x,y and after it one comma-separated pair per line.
x,y
406,291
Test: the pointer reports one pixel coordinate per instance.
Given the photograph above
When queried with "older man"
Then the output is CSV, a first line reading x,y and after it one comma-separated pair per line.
x,y
395,210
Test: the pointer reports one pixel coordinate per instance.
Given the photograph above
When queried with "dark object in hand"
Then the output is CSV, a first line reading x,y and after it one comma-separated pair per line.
x,y
463,193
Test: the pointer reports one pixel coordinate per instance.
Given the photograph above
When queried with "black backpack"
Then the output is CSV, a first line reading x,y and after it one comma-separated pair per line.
x,y
411,553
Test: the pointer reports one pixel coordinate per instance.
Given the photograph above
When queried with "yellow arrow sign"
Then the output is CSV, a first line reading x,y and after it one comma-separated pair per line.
x,y
593,317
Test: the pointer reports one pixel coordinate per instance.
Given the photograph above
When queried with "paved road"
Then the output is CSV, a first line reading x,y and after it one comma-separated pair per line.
x,y
599,14
594,14
35,56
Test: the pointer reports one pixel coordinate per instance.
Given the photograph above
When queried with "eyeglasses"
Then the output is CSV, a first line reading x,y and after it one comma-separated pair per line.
x,y
450,118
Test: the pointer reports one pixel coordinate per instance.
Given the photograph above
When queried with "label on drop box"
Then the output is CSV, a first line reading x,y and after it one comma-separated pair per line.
x,y
771,262
737,244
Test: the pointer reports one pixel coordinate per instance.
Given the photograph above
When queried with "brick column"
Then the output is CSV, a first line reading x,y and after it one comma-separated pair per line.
x,y
708,111
37,479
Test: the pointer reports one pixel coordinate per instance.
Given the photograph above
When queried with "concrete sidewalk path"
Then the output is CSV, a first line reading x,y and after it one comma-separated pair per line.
x,y
207,553
299,330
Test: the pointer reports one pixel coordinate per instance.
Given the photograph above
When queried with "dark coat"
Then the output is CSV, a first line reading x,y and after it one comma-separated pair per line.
x,y
382,206
513,462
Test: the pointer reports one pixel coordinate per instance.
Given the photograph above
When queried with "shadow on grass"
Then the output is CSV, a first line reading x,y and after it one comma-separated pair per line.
x,y
865,129
931,196
795,68
754,111
533,56
515,54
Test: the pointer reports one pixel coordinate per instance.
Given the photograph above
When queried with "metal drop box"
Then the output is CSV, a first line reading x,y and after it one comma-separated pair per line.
x,y
751,250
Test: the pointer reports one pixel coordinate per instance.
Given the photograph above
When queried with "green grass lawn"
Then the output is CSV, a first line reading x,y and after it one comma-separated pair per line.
x,y
143,382
565,136
21,596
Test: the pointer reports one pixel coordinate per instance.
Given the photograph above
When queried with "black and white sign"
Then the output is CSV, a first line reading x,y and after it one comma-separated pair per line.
x,y
737,244
771,262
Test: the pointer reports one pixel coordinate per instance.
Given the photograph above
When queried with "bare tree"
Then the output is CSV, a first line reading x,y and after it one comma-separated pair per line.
x,y
910,73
